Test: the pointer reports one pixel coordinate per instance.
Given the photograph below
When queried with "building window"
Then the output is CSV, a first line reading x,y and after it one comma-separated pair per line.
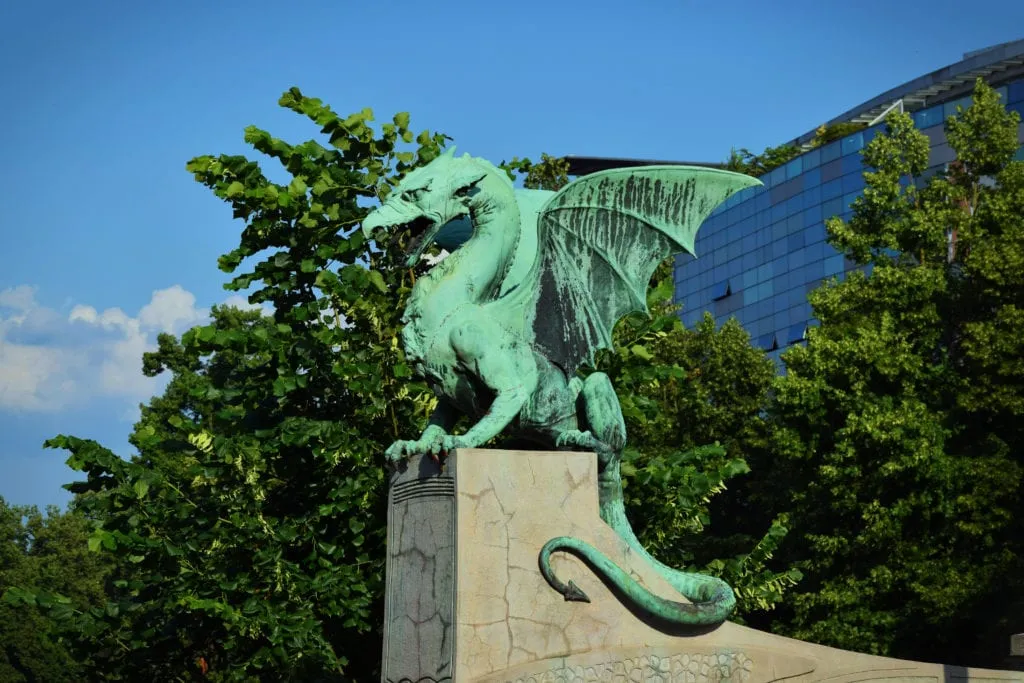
x,y
949,108
832,189
797,333
831,170
926,118
774,177
834,265
832,207
812,159
720,290
815,233
812,178
794,168
853,143
795,241
1015,92
830,152
851,163
812,215
853,182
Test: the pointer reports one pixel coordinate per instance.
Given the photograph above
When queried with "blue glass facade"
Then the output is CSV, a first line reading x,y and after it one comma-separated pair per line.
x,y
764,250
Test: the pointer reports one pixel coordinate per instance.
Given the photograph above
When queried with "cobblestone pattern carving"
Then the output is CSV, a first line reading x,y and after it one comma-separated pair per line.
x,y
680,668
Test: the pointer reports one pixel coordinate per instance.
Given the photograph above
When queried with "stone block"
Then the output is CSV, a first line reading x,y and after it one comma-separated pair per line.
x,y
467,603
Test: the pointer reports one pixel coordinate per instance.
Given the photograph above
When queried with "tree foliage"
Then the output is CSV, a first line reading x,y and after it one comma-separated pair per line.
x,y
898,450
47,555
550,173
744,161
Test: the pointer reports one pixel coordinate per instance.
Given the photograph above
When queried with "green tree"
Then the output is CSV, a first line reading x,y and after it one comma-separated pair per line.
x,y
46,554
899,441
550,173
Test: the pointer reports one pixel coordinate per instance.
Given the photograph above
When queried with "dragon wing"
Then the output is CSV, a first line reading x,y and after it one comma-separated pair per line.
x,y
601,237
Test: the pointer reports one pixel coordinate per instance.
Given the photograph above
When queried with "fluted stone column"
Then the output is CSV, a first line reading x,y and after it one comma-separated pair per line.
x,y
419,612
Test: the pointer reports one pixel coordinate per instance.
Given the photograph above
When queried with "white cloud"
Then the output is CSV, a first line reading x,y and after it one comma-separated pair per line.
x,y
170,309
51,362
242,302
19,298
26,376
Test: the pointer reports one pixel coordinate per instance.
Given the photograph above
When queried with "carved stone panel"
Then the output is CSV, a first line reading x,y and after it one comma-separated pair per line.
x,y
419,612
724,667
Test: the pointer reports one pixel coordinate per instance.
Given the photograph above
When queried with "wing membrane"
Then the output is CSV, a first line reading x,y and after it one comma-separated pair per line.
x,y
601,238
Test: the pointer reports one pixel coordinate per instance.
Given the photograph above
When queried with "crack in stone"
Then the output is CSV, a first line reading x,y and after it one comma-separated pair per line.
x,y
573,484
508,575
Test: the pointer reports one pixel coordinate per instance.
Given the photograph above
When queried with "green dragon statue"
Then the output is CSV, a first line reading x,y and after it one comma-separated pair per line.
x,y
500,327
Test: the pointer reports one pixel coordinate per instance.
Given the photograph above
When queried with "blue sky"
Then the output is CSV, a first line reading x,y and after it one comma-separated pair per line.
x,y
105,240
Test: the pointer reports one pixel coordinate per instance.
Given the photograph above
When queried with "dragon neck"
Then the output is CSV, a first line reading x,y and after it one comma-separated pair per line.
x,y
473,273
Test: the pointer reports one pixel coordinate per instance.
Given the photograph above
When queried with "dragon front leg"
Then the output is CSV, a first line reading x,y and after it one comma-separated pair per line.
x,y
502,364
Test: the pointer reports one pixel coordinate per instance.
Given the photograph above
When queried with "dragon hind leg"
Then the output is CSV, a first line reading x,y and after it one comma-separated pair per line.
x,y
605,428
603,412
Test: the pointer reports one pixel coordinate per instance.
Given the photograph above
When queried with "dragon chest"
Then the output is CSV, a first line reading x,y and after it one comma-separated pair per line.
x,y
434,360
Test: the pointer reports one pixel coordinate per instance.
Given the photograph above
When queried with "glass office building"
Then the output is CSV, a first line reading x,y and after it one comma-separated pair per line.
x,y
764,249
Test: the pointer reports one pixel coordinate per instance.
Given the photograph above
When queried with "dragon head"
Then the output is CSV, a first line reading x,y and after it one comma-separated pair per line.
x,y
431,197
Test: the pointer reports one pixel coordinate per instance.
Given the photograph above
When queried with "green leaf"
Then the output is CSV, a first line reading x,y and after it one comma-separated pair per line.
x,y
378,281
17,596
641,352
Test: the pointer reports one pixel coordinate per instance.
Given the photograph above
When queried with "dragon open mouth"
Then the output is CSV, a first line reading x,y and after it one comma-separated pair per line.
x,y
422,230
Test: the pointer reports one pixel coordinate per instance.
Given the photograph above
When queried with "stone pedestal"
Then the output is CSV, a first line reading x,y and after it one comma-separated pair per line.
x,y
467,603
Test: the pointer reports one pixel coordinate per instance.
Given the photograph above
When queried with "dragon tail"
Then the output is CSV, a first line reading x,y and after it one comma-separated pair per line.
x,y
711,599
